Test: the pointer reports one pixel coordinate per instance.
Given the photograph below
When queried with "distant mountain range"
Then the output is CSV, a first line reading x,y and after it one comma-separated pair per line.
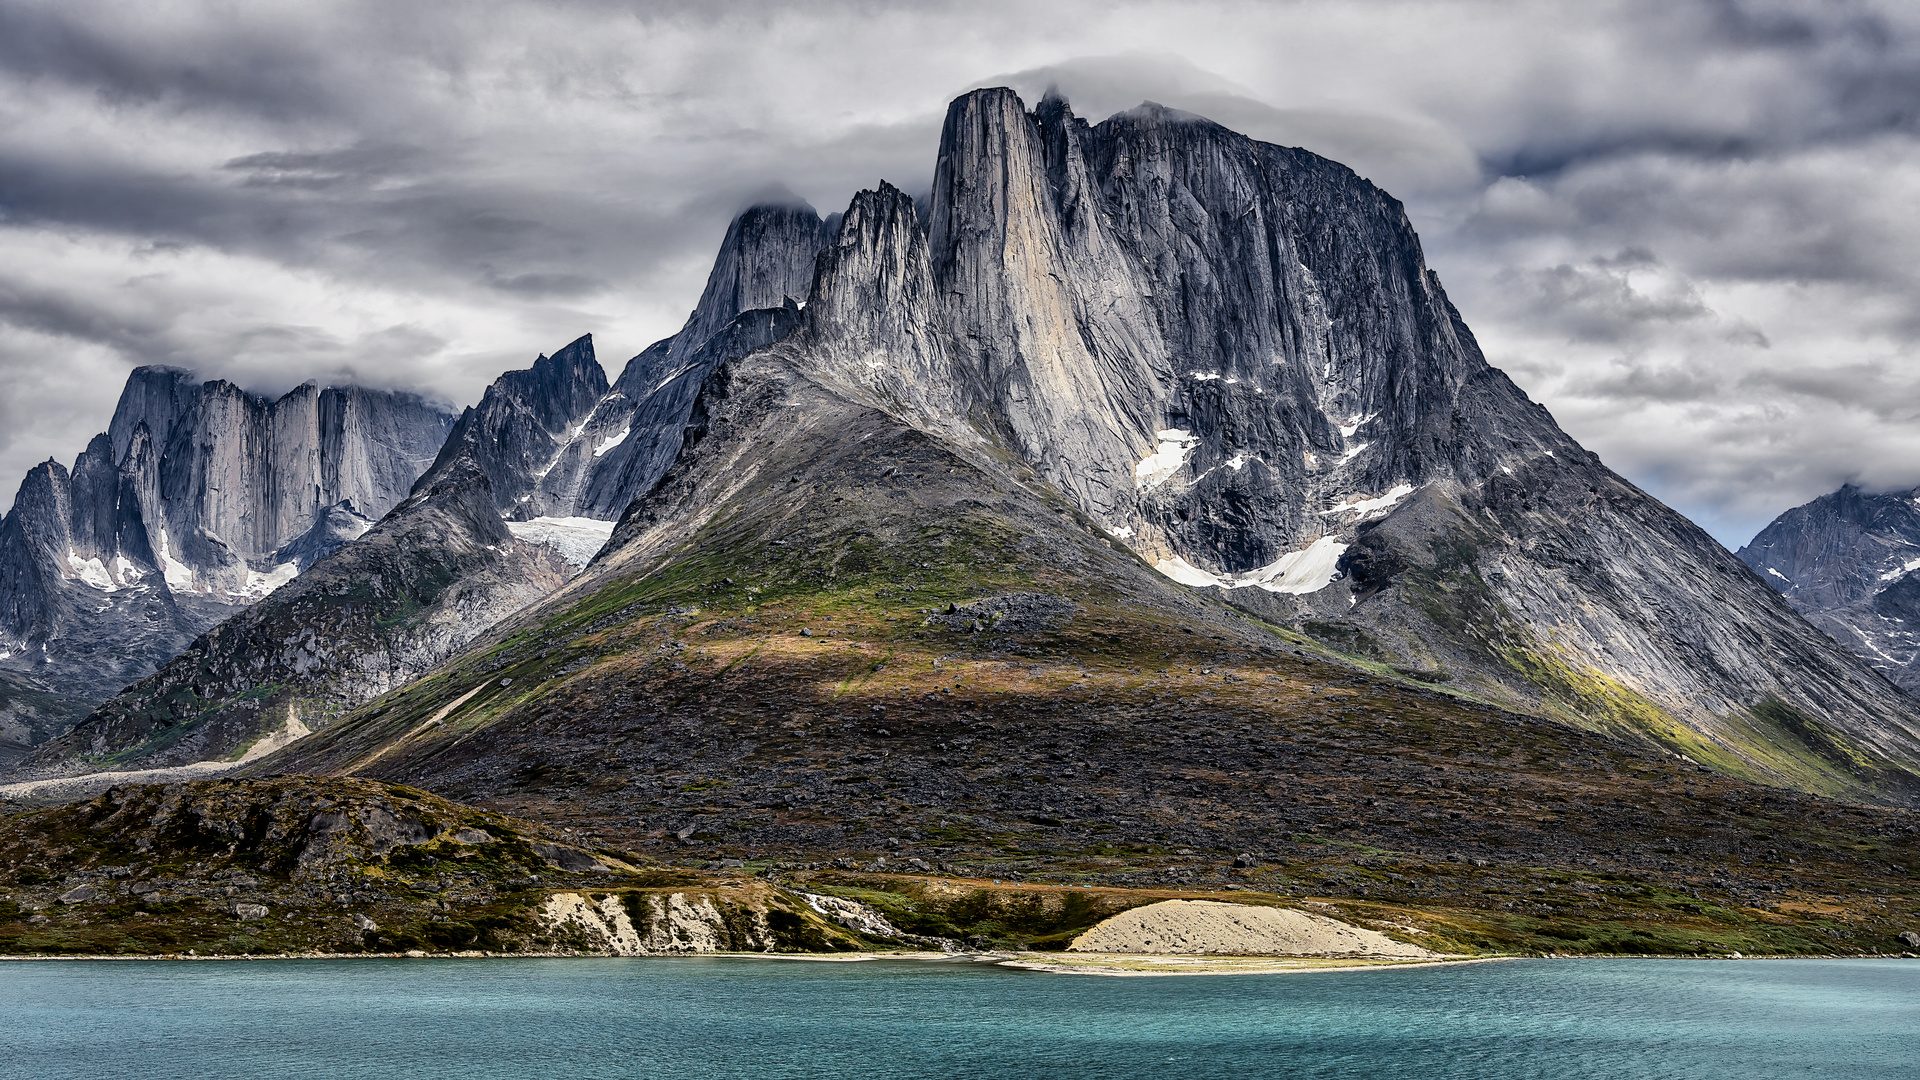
x,y
1150,367
199,498
1847,561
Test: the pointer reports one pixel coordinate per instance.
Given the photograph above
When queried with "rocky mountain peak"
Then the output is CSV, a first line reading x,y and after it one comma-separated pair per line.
x,y
1840,548
1232,356
1848,561
874,326
557,389
619,444
765,260
156,396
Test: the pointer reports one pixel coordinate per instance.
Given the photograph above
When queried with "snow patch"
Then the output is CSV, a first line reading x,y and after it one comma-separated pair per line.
x,y
1368,506
1186,573
1351,454
178,574
91,572
1310,569
1907,568
612,441
1239,461
1789,580
576,539
1353,424
259,585
1124,532
1203,376
1154,469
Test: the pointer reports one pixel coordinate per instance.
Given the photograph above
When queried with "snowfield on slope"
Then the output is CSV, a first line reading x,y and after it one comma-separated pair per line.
x,y
1310,569
577,539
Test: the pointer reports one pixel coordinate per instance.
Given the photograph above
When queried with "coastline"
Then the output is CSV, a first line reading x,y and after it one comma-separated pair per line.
x,y
1123,965
1141,965
1082,964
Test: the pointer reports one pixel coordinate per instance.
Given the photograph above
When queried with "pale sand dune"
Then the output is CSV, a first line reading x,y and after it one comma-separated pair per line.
x,y
1207,927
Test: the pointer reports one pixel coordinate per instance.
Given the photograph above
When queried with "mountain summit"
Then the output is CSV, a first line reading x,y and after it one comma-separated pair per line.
x,y
1232,357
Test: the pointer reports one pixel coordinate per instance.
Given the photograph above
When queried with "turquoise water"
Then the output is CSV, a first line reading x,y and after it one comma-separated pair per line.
x,y
720,1017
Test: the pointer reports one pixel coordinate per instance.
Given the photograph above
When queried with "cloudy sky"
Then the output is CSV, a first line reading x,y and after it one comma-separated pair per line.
x,y
1692,230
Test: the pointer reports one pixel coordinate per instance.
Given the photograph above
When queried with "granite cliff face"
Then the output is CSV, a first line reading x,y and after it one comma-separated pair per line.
x,y
1232,357
200,498
1847,561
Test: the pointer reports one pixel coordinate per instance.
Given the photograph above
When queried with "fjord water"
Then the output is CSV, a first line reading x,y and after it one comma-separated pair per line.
x,y
694,1018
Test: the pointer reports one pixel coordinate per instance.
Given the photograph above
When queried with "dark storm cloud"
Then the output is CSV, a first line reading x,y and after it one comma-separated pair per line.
x,y
1685,227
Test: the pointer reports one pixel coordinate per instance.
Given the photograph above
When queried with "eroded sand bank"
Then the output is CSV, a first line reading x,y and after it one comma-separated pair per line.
x,y
1208,927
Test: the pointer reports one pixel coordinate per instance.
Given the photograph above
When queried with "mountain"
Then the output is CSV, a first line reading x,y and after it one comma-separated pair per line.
x,y
557,442
547,449
1132,512
764,268
1847,561
200,498
1231,358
